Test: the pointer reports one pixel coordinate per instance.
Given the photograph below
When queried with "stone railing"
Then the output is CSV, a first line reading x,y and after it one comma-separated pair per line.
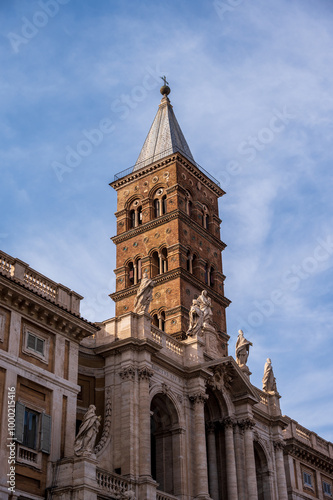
x,y
160,495
172,345
263,396
300,433
112,483
35,281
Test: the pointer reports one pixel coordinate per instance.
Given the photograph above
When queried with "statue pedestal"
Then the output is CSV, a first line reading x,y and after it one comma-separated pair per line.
x,y
245,369
194,350
76,478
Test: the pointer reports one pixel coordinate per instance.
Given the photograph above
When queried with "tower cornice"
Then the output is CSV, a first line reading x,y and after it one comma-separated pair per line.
x,y
129,175
164,219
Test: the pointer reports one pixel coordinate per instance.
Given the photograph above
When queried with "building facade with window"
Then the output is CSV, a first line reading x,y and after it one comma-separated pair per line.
x,y
180,418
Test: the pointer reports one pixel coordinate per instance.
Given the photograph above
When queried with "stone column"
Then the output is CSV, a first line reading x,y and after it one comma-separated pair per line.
x,y
201,474
212,462
128,421
160,260
250,466
230,459
240,462
280,471
144,374
147,486
136,218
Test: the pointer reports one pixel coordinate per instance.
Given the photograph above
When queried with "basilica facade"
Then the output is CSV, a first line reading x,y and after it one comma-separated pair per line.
x,y
149,404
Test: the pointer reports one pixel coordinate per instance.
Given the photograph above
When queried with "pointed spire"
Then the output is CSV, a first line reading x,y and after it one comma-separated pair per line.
x,y
165,136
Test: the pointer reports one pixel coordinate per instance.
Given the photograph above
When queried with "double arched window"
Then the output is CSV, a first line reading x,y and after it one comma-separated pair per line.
x,y
188,203
159,320
135,214
191,262
159,262
209,275
134,272
160,203
205,217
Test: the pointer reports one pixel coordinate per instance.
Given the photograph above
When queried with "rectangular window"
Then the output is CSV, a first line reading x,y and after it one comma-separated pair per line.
x,y
35,343
32,428
327,489
30,432
307,478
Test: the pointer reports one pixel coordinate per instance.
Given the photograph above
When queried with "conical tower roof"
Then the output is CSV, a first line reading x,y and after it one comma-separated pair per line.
x,y
164,137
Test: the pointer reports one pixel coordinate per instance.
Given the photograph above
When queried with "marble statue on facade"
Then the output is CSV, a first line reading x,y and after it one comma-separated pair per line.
x,y
200,314
196,319
85,440
205,305
144,294
242,349
268,381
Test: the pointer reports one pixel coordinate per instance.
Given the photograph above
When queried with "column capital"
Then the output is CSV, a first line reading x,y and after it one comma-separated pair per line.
x,y
246,423
128,372
145,373
211,426
198,398
279,444
228,422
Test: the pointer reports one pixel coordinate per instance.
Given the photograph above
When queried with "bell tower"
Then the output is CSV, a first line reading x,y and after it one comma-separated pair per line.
x,y
168,226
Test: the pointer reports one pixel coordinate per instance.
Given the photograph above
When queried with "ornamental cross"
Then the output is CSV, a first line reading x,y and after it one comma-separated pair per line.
x,y
164,80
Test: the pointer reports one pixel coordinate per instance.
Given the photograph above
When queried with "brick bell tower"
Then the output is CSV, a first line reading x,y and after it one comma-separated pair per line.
x,y
168,226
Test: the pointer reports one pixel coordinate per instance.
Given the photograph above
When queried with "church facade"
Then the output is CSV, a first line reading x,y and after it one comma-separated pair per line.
x,y
149,404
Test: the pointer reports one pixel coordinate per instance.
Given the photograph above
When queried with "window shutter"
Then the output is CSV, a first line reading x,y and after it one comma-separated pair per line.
x,y
45,439
19,421
31,341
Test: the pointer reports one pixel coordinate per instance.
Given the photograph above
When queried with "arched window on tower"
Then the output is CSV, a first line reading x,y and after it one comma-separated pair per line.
x,y
139,215
159,320
154,264
206,273
160,203
135,214
189,258
164,204
188,204
130,274
164,261
194,265
132,218
157,209
139,269
212,277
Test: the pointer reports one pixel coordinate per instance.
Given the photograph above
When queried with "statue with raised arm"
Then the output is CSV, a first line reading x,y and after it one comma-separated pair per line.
x,y
205,305
242,349
196,319
268,380
144,294
85,440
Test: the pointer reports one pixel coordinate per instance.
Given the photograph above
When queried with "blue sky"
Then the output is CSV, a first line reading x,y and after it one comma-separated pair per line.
x,y
251,85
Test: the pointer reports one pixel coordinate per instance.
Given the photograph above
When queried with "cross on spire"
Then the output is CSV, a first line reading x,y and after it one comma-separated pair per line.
x,y
164,80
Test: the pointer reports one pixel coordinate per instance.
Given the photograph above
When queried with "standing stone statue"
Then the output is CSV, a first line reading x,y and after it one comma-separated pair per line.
x,y
144,294
268,380
196,319
242,349
85,440
205,305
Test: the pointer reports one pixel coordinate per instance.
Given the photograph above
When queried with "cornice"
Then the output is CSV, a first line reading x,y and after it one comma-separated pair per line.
x,y
171,275
164,219
174,157
37,308
302,452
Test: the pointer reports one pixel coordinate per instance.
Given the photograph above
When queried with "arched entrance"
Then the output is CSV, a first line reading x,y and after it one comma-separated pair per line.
x,y
215,410
262,473
165,445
